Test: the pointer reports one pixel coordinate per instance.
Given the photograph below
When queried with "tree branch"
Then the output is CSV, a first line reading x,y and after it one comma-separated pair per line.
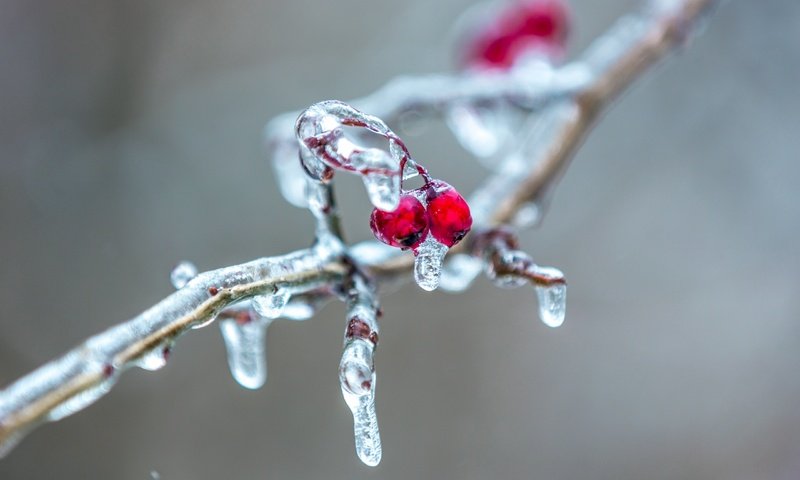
x,y
579,92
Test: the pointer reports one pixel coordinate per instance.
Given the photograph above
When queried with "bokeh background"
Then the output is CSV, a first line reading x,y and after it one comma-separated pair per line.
x,y
130,136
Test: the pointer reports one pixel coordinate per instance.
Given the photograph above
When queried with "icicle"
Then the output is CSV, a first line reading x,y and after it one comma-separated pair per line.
x,y
245,343
357,368
381,176
428,263
552,298
271,305
182,274
365,424
357,378
156,358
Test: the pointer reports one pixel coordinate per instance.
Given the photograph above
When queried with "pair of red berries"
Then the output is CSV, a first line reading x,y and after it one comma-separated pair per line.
x,y
446,217
520,27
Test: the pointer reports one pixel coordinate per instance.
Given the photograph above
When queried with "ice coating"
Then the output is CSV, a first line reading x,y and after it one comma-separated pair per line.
x,y
325,145
86,397
245,342
513,262
383,190
91,369
357,370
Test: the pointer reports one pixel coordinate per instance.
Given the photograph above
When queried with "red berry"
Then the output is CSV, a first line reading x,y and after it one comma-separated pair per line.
x,y
524,26
448,215
406,227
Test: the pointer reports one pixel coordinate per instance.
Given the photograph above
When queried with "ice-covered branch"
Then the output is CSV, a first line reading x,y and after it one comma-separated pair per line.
x,y
80,377
509,267
528,120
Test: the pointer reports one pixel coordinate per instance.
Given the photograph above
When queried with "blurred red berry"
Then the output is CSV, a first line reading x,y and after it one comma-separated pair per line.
x,y
448,215
406,227
521,27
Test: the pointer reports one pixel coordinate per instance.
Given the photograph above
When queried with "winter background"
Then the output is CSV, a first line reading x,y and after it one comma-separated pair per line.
x,y
130,140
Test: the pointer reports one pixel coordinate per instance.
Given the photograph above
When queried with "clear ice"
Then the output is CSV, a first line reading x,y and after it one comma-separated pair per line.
x,y
365,424
357,369
513,259
271,305
156,358
383,190
83,399
428,263
552,298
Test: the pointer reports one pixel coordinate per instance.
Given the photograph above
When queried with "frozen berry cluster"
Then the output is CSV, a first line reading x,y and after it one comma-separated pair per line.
x,y
435,209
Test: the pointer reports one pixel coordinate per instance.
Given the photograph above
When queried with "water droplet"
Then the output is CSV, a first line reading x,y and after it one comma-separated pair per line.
x,y
246,346
156,358
383,190
182,274
271,305
552,304
428,263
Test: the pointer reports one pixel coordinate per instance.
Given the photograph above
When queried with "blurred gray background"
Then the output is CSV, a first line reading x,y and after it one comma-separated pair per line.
x,y
130,135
